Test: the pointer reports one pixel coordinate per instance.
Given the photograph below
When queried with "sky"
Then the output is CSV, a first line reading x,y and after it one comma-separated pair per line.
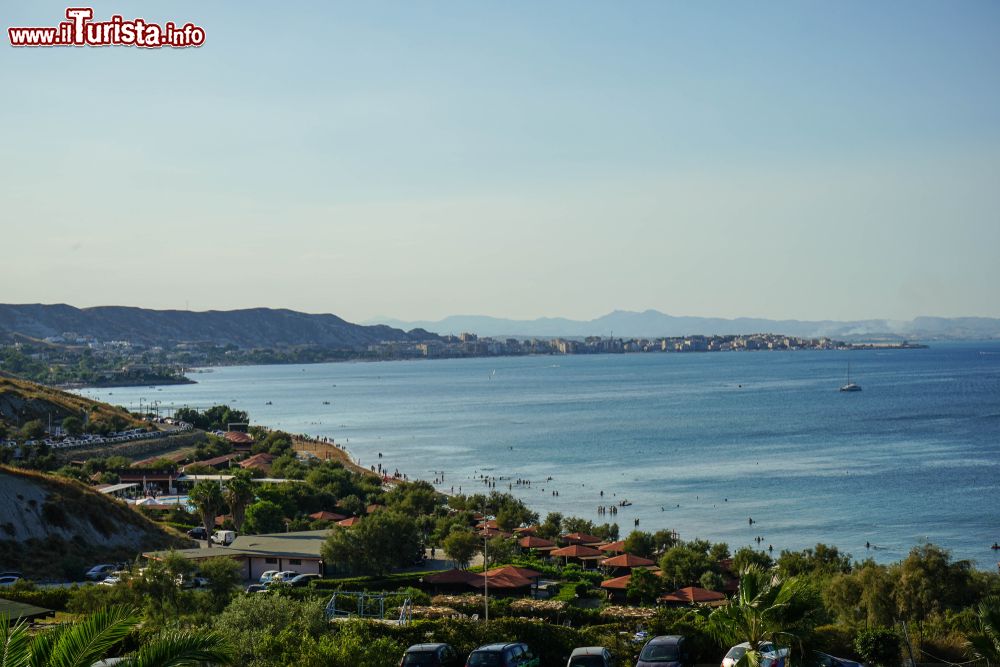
x,y
808,160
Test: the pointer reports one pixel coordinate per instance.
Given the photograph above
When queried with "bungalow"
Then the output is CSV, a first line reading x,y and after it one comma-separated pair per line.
x,y
327,516
613,547
542,546
615,588
299,551
577,552
240,442
261,461
582,539
692,595
623,563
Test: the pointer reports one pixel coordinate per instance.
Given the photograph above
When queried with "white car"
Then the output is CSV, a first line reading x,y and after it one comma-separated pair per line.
x,y
113,580
9,580
770,655
285,575
265,577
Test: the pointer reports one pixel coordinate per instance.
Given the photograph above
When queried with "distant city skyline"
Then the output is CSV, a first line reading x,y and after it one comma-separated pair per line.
x,y
784,161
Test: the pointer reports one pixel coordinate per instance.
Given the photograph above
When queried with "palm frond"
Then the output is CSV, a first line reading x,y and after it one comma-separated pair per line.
x,y
41,646
88,641
15,644
180,648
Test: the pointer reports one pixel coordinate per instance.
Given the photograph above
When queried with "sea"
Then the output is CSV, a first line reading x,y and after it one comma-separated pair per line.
x,y
699,443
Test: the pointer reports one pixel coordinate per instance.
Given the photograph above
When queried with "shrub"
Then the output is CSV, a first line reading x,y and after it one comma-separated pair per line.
x,y
879,646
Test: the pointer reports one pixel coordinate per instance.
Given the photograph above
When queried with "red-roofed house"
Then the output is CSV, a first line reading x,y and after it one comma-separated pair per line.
x,y
326,516
582,538
240,441
578,552
261,461
538,544
626,562
347,523
615,588
693,595
613,547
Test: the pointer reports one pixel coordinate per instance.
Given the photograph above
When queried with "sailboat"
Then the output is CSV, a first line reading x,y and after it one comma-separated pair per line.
x,y
850,386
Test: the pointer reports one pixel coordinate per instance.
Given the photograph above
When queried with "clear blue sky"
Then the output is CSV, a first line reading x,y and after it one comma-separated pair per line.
x,y
418,159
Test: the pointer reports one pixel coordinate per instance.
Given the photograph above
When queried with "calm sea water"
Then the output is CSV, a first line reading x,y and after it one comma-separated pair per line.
x,y
698,443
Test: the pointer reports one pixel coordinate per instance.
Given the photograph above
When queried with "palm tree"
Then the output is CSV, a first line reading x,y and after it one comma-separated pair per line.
x,y
238,494
207,499
766,608
89,641
986,642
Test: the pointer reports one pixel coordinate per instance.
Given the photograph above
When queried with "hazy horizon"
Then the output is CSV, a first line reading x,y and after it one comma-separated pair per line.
x,y
780,161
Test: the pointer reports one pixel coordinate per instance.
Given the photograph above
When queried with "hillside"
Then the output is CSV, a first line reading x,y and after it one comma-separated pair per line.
x,y
51,526
22,401
250,328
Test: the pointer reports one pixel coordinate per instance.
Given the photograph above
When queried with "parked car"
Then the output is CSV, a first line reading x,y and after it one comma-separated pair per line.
x,y
302,580
266,576
771,655
665,651
9,580
224,537
590,656
256,588
514,654
284,576
819,659
100,572
198,533
111,580
429,655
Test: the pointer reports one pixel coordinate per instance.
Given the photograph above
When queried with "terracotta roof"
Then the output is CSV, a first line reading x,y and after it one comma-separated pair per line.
x,y
626,560
347,523
373,508
452,576
692,595
492,532
618,583
581,538
491,524
238,437
526,530
504,577
260,461
576,551
225,458
525,572
532,542
327,516
613,547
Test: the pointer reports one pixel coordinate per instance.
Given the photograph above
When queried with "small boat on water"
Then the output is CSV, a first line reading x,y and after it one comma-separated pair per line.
x,y
850,386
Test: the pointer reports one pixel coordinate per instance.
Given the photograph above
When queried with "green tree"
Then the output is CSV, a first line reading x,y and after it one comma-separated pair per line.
x,y
766,608
461,545
94,638
501,549
33,430
207,498
879,646
239,493
223,575
551,527
640,543
643,586
381,542
264,516
929,582
268,630
684,564
746,557
711,581
72,426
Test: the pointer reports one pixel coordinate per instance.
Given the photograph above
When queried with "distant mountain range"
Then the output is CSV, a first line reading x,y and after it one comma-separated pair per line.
x,y
653,324
250,328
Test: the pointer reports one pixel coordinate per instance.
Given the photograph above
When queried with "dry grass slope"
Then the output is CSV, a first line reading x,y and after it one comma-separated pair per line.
x,y
51,526
22,401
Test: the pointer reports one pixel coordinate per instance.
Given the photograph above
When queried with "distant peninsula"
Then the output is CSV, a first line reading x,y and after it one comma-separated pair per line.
x,y
124,346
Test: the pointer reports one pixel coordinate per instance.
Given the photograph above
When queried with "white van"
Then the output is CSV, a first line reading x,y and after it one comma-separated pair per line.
x,y
224,537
